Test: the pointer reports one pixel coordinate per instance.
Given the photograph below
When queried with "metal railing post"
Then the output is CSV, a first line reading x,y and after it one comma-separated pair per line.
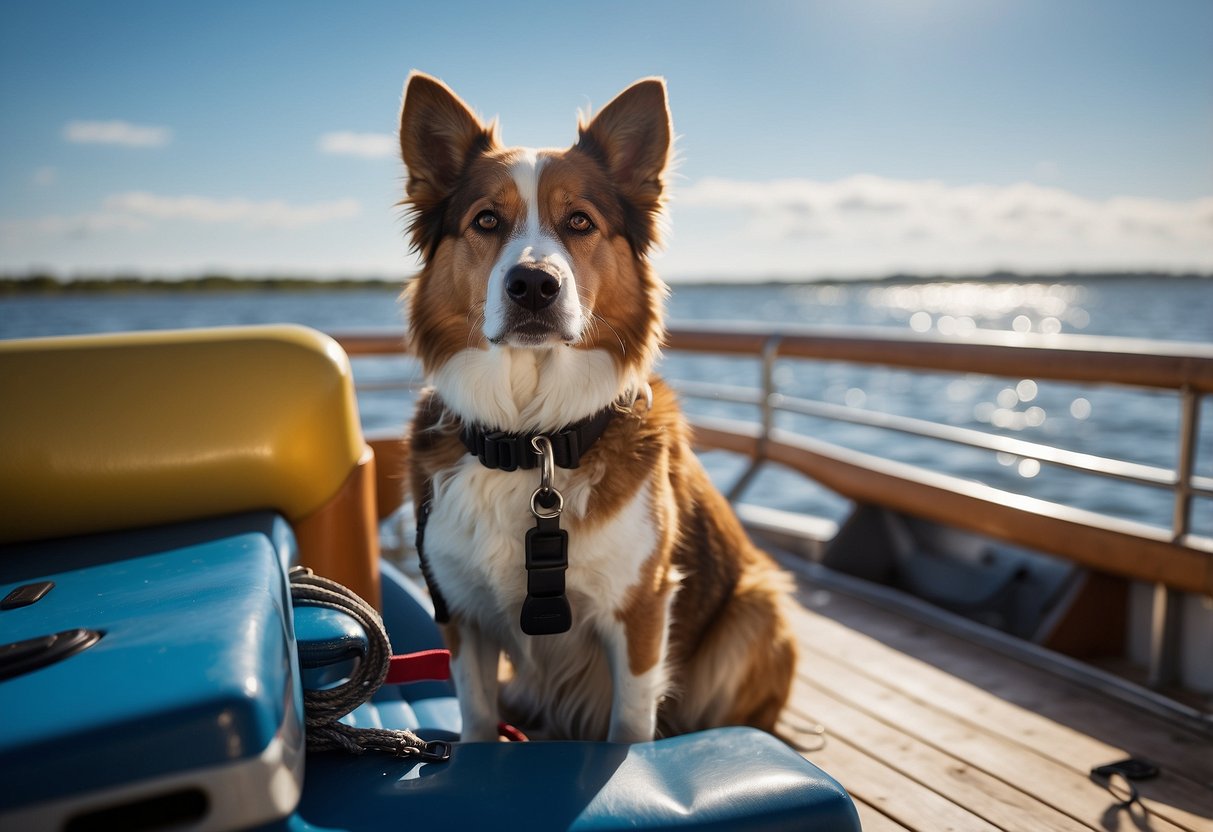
x,y
1165,632
770,400
1189,425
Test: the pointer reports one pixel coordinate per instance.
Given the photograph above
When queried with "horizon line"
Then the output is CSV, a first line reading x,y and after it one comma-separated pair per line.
x,y
34,281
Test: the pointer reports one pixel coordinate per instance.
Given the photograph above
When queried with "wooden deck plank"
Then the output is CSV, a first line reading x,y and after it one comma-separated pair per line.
x,y
1027,703
995,705
1037,755
891,793
986,796
872,820
1058,787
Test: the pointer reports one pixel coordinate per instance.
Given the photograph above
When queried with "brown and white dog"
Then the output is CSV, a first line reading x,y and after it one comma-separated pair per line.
x,y
536,309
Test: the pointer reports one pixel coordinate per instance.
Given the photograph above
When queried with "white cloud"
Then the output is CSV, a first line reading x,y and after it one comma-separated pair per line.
x,y
274,213
15,232
117,132
140,211
871,225
363,145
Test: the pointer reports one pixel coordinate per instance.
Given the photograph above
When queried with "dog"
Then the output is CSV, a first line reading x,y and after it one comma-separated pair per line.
x,y
563,519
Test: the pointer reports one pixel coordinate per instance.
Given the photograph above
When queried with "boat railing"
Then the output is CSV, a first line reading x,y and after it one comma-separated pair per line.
x,y
1171,559
1186,368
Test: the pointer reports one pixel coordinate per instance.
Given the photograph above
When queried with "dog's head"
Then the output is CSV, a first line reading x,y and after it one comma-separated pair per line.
x,y
539,250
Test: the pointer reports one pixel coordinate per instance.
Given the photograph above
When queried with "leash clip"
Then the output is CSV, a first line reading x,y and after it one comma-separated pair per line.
x,y
546,611
434,751
546,502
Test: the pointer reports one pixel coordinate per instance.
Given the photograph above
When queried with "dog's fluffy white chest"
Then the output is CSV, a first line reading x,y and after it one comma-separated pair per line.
x,y
475,545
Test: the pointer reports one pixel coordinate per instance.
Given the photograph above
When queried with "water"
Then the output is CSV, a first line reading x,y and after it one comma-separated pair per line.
x,y
1141,426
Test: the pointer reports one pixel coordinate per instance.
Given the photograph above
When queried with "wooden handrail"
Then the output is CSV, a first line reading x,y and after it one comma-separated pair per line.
x,y
376,341
1085,358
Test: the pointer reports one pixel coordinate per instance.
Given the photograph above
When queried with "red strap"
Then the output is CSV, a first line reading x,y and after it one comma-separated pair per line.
x,y
425,666
511,733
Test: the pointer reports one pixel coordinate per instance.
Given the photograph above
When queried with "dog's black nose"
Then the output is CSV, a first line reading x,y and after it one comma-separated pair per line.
x,y
531,287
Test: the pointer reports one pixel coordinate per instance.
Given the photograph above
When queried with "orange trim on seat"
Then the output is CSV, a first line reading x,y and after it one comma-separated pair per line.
x,y
340,540
392,471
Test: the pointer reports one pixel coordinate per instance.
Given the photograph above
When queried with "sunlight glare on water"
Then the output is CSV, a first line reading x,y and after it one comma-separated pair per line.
x,y
960,308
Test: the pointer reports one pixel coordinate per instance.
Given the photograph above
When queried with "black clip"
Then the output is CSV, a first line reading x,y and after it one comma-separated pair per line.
x,y
546,610
546,616
436,751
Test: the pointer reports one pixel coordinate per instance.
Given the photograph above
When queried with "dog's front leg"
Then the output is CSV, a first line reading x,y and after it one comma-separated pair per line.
x,y
637,659
474,663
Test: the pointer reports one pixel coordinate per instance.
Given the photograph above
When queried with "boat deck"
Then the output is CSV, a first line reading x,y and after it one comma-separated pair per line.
x,y
930,732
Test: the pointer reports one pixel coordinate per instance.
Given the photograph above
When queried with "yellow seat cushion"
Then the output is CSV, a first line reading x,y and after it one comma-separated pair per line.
x,y
106,432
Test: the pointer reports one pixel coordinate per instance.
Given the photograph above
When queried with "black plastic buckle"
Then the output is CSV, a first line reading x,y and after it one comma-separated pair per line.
x,y
546,616
547,559
499,451
546,610
434,751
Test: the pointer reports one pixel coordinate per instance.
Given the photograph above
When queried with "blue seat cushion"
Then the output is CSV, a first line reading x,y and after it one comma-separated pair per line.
x,y
724,779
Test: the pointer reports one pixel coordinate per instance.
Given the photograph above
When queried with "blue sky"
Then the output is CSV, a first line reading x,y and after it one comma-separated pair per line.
x,y
816,138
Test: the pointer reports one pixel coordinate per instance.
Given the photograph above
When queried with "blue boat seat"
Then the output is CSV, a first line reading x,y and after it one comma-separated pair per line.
x,y
725,779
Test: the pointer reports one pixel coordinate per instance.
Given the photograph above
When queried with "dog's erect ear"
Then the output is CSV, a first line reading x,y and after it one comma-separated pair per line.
x,y
631,136
438,135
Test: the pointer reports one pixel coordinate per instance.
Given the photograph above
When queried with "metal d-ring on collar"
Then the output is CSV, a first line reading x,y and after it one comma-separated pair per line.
x,y
547,469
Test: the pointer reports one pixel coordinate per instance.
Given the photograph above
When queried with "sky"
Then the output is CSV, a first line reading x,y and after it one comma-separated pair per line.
x,y
853,138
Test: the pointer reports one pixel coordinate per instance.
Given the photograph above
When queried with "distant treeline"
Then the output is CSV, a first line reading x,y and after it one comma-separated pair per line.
x,y
49,284
46,284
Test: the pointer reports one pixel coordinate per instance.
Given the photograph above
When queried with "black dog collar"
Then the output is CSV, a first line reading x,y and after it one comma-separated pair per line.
x,y
513,451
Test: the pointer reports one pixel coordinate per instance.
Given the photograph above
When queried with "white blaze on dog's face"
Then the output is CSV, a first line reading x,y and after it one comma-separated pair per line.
x,y
535,249
531,298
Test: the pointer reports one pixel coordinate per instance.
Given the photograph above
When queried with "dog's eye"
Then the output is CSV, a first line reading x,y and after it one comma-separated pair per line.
x,y
486,221
580,223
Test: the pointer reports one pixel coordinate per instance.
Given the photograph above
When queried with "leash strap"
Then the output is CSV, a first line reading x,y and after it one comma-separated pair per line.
x,y
441,614
422,666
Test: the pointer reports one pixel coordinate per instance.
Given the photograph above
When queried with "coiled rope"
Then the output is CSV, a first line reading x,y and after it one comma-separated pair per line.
x,y
323,708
